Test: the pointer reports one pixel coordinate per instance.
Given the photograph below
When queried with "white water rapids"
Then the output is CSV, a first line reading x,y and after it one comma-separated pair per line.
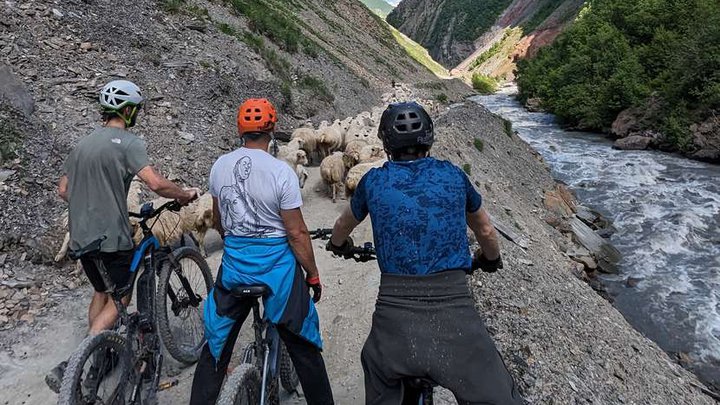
x,y
667,213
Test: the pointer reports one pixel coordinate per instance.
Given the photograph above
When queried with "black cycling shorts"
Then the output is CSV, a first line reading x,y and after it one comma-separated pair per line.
x,y
117,267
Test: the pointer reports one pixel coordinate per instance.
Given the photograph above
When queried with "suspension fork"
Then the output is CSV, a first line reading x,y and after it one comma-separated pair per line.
x,y
192,297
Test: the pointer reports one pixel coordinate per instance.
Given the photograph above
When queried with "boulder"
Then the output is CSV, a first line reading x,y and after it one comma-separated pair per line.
x,y
626,123
560,201
605,254
14,92
634,142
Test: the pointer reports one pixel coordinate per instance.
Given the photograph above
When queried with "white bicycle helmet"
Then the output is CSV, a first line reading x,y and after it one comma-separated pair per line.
x,y
119,94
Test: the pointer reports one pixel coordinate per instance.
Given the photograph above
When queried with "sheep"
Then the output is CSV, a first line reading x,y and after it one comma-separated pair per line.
x,y
308,138
356,173
302,174
352,150
371,153
332,171
133,204
297,161
354,131
169,226
329,140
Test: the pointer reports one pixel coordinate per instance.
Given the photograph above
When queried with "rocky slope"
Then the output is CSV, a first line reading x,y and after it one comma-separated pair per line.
x,y
486,38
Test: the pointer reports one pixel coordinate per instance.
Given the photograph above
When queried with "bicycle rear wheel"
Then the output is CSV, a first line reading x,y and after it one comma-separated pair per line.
x,y
180,320
98,372
242,387
288,377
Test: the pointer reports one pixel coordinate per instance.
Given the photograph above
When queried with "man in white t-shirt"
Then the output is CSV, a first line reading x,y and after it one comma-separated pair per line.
x,y
256,203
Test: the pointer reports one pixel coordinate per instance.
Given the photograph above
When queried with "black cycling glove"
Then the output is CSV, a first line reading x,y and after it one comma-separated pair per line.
x,y
488,266
345,250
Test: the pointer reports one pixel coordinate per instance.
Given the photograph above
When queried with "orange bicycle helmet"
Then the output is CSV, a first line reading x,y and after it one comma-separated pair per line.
x,y
256,115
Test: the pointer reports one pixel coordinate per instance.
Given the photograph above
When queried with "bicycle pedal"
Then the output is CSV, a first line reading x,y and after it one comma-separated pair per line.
x,y
167,385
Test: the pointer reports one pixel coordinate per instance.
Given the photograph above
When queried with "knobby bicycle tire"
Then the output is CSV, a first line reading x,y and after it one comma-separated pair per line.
x,y
70,391
242,387
288,377
182,354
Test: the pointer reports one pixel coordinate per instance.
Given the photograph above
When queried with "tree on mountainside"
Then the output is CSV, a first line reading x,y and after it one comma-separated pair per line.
x,y
628,53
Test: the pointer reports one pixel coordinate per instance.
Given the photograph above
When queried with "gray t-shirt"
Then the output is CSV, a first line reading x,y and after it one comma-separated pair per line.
x,y
99,172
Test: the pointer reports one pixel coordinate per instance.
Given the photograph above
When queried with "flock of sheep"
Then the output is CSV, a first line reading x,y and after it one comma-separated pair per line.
x,y
346,150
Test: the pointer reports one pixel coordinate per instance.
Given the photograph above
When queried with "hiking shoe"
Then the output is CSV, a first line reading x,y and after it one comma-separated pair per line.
x,y
53,379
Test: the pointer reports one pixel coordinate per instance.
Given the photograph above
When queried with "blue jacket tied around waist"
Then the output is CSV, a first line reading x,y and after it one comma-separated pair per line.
x,y
271,262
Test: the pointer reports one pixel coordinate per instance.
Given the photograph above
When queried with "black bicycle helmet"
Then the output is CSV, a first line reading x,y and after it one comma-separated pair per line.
x,y
404,125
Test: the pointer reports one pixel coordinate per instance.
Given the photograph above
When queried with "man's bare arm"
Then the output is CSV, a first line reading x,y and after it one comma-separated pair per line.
x,y
344,226
164,187
299,239
63,188
217,222
482,227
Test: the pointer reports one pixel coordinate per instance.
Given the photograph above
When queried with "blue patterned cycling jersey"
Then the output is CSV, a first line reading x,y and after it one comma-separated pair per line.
x,y
418,212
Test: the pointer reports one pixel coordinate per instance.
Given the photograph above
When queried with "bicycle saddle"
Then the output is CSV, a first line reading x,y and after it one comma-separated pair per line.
x,y
250,291
419,383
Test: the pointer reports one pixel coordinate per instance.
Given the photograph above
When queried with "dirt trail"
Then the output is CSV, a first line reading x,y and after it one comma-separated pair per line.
x,y
345,310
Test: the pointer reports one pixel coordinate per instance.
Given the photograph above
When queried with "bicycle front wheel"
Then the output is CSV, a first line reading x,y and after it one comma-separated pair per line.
x,y
98,372
242,387
182,290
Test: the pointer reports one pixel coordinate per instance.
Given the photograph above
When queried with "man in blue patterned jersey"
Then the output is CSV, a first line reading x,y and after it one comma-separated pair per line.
x,y
425,323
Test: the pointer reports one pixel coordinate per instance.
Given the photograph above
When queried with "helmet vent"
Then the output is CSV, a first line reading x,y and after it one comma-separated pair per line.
x,y
413,115
416,126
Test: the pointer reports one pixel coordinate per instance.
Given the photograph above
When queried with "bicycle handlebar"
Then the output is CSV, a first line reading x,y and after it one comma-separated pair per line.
x,y
147,211
366,252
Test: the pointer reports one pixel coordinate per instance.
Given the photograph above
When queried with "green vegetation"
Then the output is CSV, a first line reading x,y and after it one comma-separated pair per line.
x,y
507,124
541,15
467,168
662,56
494,49
479,145
470,20
442,97
226,29
172,6
266,19
420,54
484,84
317,88
380,7
10,140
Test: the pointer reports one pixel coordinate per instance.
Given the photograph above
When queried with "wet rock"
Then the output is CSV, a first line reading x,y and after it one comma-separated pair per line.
x,y
634,142
632,282
606,255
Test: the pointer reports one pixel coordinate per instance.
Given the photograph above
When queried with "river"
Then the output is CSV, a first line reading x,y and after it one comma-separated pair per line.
x,y
667,213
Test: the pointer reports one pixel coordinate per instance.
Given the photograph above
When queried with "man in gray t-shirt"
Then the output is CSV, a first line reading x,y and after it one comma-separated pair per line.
x,y
96,179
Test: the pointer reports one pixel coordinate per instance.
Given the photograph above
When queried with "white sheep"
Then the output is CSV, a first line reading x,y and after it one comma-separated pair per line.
x,y
332,171
352,150
169,226
308,137
302,174
356,173
371,153
329,140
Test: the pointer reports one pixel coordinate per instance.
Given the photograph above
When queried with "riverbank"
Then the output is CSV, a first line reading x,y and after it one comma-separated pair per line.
x,y
665,209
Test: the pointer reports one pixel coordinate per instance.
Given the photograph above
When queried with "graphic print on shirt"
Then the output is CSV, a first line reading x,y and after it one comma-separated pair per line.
x,y
238,209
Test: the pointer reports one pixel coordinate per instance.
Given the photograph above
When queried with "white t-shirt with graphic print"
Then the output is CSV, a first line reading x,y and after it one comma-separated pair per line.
x,y
252,187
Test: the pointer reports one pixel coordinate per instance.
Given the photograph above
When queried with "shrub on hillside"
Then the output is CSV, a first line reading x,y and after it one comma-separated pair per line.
x,y
484,84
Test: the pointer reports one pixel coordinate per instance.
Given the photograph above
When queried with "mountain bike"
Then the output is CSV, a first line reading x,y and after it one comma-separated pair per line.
x,y
417,390
123,366
265,365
